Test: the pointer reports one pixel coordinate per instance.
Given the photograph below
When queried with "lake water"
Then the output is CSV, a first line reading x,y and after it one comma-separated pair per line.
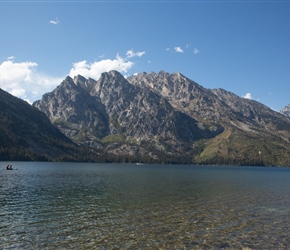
x,y
123,206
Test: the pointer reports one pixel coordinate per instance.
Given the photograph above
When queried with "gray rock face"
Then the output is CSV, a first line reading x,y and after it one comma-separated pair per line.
x,y
286,110
74,111
88,110
215,109
157,112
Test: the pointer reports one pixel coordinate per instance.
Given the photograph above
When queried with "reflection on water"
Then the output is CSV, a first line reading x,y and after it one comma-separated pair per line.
x,y
119,206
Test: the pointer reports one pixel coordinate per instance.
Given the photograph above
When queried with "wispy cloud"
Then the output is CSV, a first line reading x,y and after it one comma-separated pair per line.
x,y
131,53
54,21
248,96
178,49
10,58
195,51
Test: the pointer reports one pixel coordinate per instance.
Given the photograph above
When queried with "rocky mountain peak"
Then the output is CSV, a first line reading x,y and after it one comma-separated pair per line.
x,y
82,82
162,113
79,79
112,75
68,79
110,82
286,110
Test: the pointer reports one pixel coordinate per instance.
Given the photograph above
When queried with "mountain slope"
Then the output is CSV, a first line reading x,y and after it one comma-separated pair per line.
x,y
167,118
27,134
214,107
117,110
75,112
245,122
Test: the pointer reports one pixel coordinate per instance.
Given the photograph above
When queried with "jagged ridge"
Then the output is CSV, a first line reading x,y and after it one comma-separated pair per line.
x,y
166,114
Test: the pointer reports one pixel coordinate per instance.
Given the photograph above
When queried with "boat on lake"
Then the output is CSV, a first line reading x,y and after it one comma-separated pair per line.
x,y
9,167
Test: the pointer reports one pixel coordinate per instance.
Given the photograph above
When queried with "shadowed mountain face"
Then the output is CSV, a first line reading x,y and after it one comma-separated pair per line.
x,y
27,134
164,116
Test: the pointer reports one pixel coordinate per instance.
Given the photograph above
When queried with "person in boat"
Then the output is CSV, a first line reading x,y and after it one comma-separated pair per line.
x,y
9,167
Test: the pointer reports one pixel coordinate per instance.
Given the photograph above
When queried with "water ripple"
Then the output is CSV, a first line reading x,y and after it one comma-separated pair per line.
x,y
95,206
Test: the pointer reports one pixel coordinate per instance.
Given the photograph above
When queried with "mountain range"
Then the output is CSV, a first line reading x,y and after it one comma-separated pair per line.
x,y
162,117
148,117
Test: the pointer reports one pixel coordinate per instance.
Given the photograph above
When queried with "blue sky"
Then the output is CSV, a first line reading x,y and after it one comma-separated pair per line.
x,y
240,46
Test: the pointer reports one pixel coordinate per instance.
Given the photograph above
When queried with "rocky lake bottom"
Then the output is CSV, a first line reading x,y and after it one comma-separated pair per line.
x,y
127,206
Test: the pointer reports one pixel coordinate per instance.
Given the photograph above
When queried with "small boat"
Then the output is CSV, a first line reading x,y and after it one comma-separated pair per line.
x,y
9,167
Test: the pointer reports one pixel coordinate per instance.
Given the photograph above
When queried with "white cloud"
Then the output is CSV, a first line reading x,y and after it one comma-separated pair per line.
x,y
18,92
248,96
178,49
195,51
10,58
95,69
22,80
55,21
131,53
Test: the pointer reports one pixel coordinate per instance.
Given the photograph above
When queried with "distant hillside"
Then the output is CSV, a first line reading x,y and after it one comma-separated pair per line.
x,y
162,117
27,134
